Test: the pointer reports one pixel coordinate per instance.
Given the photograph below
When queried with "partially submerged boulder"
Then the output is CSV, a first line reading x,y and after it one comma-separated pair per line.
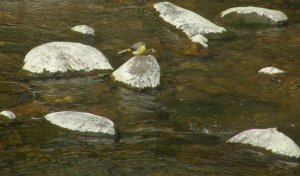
x,y
84,29
8,114
253,15
269,139
7,117
84,122
65,56
271,70
139,72
194,25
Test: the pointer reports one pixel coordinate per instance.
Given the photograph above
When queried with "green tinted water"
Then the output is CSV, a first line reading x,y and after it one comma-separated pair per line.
x,y
206,95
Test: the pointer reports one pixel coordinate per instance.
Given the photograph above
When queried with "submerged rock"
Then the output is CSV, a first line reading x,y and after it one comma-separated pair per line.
x,y
84,29
270,70
139,72
65,56
194,25
253,15
83,122
269,139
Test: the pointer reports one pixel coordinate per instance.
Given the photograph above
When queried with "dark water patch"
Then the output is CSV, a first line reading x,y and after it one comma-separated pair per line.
x,y
14,93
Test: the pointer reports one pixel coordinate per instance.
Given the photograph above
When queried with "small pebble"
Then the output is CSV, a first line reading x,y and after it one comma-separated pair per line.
x,y
84,29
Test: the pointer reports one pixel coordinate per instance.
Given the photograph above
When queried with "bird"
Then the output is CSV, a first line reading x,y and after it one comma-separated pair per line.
x,y
136,49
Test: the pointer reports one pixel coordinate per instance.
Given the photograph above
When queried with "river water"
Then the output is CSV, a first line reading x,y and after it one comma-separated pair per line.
x,y
206,95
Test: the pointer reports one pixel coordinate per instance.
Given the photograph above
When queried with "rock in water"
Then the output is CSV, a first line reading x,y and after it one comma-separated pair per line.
x,y
139,72
8,114
194,25
254,15
65,56
83,122
269,139
9,117
270,70
84,29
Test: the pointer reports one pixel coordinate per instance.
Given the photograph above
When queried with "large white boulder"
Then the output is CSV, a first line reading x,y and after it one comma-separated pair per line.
x,y
84,29
255,15
269,139
194,25
139,72
83,122
65,56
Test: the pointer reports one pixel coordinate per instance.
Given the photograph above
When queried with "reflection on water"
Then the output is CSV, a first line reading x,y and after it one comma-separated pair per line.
x,y
205,97
131,101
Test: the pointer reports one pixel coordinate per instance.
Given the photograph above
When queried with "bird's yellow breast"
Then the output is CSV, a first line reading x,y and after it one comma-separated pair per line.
x,y
141,50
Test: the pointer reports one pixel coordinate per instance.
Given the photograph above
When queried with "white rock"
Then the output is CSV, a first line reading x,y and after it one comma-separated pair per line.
x,y
84,29
194,25
270,70
274,15
8,114
65,56
269,139
139,72
82,122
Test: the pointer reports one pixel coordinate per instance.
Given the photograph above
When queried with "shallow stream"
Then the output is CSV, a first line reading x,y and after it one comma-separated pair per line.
x,y
206,95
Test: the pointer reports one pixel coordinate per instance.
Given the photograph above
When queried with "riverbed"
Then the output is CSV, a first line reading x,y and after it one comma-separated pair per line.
x,y
206,95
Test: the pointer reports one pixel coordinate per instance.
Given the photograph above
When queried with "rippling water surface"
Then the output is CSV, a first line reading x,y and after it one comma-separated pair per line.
x,y
206,95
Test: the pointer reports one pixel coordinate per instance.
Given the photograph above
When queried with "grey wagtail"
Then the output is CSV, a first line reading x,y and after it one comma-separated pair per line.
x,y
136,49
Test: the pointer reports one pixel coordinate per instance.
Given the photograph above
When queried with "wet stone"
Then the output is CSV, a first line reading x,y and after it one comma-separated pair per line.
x,y
253,15
192,24
270,139
139,72
8,114
56,57
84,29
270,70
7,117
84,122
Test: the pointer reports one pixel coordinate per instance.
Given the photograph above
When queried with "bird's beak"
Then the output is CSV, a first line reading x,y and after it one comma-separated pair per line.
x,y
123,51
